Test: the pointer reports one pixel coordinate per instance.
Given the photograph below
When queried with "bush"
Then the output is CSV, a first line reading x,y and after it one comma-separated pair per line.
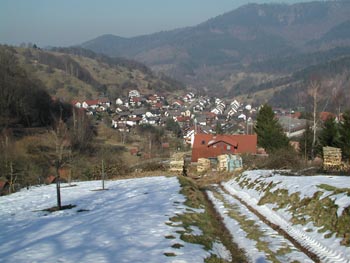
x,y
285,158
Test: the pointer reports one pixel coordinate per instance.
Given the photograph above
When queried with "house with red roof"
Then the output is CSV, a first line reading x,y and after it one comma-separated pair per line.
x,y
90,104
211,146
324,115
76,103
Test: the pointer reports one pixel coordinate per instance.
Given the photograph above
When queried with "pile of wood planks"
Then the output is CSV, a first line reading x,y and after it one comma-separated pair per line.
x,y
177,162
203,165
223,162
332,159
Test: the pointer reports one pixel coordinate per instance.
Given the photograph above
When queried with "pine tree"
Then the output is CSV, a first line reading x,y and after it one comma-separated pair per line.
x,y
329,135
269,131
344,132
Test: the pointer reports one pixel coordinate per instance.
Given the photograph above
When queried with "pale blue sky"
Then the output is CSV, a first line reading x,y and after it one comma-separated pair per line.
x,y
69,22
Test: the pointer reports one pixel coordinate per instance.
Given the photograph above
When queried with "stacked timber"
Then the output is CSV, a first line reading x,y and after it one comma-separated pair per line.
x,y
177,162
203,165
331,158
223,162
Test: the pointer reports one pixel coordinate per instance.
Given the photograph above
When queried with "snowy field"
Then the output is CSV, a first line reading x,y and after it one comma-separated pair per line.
x,y
127,223
327,249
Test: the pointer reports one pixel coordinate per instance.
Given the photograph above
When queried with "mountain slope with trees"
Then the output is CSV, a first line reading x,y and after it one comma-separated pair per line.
x,y
206,55
75,73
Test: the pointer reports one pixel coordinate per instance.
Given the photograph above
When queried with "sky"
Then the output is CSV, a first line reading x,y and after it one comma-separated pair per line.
x,y
71,22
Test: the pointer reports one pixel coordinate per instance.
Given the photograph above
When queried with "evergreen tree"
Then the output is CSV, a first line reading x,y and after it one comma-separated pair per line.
x,y
344,132
218,128
173,126
329,135
269,131
305,142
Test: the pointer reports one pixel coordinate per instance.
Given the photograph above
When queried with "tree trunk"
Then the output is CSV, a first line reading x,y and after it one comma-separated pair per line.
x,y
314,87
58,188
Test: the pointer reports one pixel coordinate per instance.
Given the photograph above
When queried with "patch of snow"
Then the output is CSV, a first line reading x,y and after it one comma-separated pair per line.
x,y
221,251
342,201
126,223
328,250
196,231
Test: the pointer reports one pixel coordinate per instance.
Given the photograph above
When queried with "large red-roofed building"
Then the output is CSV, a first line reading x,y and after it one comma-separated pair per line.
x,y
211,146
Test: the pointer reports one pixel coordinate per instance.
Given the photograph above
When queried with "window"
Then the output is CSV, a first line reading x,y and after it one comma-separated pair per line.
x,y
203,142
228,147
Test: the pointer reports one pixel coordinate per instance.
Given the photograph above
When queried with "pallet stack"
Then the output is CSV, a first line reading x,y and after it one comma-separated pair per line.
x,y
223,162
203,165
177,162
332,159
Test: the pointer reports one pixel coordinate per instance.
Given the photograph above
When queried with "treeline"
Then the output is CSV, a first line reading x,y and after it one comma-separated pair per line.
x,y
64,63
24,101
62,134
298,62
115,61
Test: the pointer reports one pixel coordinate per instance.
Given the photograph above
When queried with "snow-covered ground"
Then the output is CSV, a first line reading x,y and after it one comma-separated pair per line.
x,y
274,240
327,249
127,223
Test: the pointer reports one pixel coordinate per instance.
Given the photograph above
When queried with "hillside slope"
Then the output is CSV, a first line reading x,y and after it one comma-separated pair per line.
x,y
79,74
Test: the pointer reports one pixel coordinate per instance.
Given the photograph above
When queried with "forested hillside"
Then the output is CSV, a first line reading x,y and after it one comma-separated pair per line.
x,y
252,48
75,73
24,100
42,135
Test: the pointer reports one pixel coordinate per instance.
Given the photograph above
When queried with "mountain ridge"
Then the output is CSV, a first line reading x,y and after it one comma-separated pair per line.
x,y
201,56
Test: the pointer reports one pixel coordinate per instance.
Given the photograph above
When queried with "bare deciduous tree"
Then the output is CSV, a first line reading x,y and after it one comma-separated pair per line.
x,y
313,91
61,155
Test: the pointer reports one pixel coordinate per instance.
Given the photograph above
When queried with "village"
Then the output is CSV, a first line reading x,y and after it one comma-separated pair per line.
x,y
210,127
194,114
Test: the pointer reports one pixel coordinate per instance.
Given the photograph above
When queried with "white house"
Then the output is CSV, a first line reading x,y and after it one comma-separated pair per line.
x,y
134,93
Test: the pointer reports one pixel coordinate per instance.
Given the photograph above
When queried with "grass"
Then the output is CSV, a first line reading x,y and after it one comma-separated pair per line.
x,y
333,189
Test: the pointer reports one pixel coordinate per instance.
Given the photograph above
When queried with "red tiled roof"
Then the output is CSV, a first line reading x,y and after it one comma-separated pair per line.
x,y
158,105
178,102
208,145
135,99
103,100
165,145
210,115
91,102
296,115
325,115
182,118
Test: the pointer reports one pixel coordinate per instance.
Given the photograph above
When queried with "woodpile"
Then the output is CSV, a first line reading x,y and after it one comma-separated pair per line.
x,y
203,165
177,162
332,159
223,162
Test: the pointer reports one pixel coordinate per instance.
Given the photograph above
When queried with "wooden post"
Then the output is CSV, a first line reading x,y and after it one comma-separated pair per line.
x,y
103,176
